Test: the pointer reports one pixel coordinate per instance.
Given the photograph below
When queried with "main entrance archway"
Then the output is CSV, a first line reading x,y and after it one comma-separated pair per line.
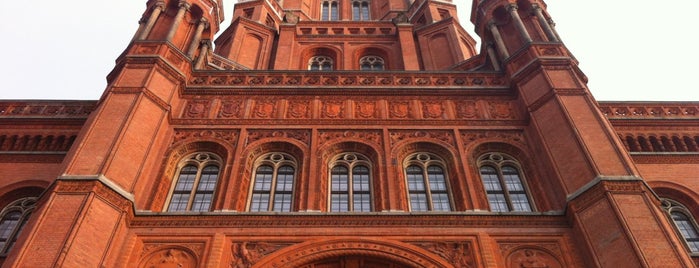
x,y
353,253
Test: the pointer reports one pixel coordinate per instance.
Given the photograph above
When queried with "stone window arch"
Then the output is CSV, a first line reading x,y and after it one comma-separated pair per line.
x,y
329,10
321,63
273,183
371,63
504,183
684,222
427,183
195,183
350,183
12,218
360,10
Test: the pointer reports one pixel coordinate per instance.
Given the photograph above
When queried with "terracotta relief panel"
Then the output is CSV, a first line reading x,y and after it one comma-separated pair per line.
x,y
264,109
501,110
399,109
229,135
468,109
302,135
333,109
197,109
532,255
170,256
246,254
440,135
433,110
460,254
365,110
369,136
299,109
232,109
513,136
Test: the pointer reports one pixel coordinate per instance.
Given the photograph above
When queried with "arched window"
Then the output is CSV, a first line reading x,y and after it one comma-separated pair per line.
x,y
320,63
371,63
427,182
503,183
273,183
350,183
684,222
360,10
329,10
12,219
196,183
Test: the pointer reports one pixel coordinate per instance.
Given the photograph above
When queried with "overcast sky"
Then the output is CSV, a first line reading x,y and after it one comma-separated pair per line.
x,y
630,50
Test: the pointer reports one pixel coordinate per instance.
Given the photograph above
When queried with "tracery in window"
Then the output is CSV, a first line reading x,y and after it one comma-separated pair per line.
x,y
371,63
195,184
503,183
12,218
273,183
320,63
684,222
329,10
360,10
350,183
427,182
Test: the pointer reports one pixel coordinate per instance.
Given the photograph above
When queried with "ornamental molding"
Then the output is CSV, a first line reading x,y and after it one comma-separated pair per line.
x,y
47,109
228,135
369,136
302,135
460,254
650,110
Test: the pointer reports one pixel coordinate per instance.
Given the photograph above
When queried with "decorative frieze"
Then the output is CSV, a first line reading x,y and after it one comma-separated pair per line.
x,y
41,109
302,135
246,254
460,254
370,136
228,135
440,135
658,110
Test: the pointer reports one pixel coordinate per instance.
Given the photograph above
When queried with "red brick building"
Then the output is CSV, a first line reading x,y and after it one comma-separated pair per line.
x,y
348,133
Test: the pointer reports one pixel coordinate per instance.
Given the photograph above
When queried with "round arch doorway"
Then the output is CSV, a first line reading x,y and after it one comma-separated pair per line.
x,y
354,262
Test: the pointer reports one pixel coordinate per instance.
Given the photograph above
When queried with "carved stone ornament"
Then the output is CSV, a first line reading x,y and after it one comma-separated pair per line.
x,y
468,110
333,109
500,110
366,109
301,135
460,254
170,258
299,109
197,109
196,134
246,254
399,109
373,137
433,109
264,109
443,136
230,109
532,258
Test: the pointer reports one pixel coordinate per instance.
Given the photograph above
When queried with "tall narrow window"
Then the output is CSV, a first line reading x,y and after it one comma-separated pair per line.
x,y
371,63
329,10
195,184
684,222
12,219
350,183
320,63
273,183
503,183
360,10
427,183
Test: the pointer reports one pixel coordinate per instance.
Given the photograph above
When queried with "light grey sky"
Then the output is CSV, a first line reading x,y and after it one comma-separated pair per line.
x,y
630,50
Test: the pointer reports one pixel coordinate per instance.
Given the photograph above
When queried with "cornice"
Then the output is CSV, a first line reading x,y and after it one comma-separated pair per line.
x,y
379,219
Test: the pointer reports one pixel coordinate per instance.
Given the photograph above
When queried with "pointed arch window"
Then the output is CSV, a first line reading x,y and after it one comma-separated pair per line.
x,y
196,183
371,63
428,187
329,10
684,222
273,183
504,183
12,219
350,183
320,63
360,10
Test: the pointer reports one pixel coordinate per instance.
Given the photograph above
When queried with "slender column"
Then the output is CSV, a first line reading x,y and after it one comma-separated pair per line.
x,y
545,24
518,22
493,57
141,25
553,29
202,54
184,6
159,8
498,40
203,24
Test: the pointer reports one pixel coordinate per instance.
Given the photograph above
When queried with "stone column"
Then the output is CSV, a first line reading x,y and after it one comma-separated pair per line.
x,y
544,24
519,24
203,24
202,54
184,7
492,54
159,8
498,40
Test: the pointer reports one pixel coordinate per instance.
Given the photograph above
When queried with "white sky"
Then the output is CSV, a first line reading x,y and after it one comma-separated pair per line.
x,y
629,49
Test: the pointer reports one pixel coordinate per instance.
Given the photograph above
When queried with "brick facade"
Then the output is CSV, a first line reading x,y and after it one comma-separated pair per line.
x,y
348,133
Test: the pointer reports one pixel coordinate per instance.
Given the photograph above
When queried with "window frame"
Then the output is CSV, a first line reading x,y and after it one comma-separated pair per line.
x,y
201,161
320,59
671,206
361,10
277,161
350,161
372,61
329,6
24,206
498,162
424,161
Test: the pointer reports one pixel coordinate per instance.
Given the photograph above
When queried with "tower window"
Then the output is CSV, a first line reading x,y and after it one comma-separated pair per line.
x,y
196,183
329,10
360,10
350,183
427,183
503,183
320,63
684,222
12,219
273,183
371,63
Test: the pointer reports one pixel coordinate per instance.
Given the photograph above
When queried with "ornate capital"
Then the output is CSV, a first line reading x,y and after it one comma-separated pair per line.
x,y
205,22
183,4
160,4
512,8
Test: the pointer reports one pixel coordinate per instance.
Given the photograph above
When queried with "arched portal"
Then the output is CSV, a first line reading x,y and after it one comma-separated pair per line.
x,y
353,253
